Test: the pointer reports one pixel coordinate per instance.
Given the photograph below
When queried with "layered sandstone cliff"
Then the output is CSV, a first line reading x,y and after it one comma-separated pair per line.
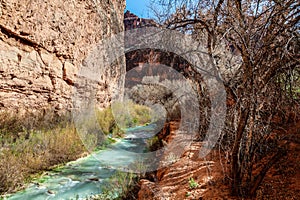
x,y
43,45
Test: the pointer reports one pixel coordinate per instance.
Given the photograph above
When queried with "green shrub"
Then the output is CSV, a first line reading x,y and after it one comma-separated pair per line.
x,y
121,116
106,120
192,183
153,143
118,186
108,141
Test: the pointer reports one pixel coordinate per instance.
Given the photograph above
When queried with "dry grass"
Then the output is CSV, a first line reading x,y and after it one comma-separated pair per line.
x,y
25,151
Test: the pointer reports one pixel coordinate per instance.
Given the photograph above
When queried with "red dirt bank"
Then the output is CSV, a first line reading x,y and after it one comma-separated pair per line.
x,y
281,182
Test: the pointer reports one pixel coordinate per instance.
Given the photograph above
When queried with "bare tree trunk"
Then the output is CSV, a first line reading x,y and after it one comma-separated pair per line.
x,y
259,178
236,167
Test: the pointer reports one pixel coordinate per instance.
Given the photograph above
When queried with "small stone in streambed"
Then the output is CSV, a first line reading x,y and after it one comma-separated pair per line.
x,y
93,179
51,192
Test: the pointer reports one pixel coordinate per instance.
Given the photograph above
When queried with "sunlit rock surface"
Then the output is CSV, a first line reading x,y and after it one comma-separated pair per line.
x,y
43,45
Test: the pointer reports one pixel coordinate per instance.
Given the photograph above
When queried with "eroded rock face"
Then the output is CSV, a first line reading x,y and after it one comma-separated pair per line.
x,y
43,45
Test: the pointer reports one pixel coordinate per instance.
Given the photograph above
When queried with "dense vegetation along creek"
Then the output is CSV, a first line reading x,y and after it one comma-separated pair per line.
x,y
86,176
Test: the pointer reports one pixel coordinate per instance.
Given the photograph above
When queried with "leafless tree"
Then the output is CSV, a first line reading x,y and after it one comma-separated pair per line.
x,y
264,34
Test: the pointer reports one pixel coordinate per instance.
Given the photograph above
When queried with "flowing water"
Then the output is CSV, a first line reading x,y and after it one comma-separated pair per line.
x,y
84,177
